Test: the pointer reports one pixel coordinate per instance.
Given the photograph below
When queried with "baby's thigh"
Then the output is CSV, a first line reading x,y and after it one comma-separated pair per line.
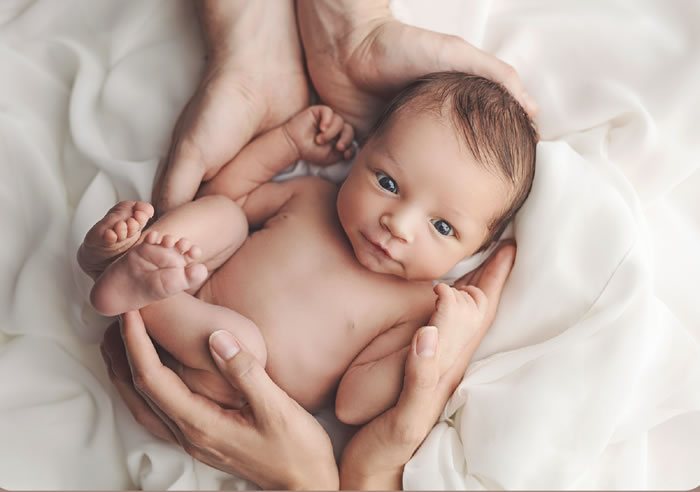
x,y
183,323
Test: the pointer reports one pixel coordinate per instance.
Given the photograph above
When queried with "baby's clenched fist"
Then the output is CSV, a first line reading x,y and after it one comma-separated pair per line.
x,y
320,135
457,308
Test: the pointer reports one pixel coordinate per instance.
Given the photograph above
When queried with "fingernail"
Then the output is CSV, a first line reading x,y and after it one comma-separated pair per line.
x,y
223,344
427,341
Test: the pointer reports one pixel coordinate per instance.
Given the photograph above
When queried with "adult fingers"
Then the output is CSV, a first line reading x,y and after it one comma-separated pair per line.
x,y
114,355
142,411
455,53
159,385
243,371
417,407
345,138
177,180
494,276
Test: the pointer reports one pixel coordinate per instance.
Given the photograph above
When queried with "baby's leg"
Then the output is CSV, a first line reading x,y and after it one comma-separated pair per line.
x,y
157,268
214,223
165,265
182,325
111,236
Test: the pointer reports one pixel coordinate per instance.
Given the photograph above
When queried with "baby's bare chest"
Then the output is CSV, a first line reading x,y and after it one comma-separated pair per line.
x,y
315,305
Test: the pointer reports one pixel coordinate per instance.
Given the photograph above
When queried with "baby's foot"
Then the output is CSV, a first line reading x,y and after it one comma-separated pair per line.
x,y
159,267
114,234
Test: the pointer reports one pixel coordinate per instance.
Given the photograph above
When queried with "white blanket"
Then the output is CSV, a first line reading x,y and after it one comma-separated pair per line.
x,y
590,376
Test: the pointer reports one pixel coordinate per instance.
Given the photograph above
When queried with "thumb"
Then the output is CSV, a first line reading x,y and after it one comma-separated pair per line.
x,y
417,405
177,182
241,369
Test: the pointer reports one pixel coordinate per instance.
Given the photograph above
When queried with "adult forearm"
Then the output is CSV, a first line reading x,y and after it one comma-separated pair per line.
x,y
375,457
386,481
240,26
333,18
322,23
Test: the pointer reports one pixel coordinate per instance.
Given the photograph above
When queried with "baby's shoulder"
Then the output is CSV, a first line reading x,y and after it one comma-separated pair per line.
x,y
413,303
313,191
313,184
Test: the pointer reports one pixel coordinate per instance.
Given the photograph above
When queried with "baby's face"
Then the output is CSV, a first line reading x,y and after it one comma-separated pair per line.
x,y
416,202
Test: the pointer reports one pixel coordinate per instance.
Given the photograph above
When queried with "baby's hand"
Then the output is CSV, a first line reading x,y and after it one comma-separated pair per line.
x,y
320,135
459,315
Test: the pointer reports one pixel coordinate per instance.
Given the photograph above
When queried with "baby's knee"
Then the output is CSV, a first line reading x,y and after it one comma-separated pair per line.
x,y
223,206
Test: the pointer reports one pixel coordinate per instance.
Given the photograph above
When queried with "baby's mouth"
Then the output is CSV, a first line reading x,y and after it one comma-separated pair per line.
x,y
378,247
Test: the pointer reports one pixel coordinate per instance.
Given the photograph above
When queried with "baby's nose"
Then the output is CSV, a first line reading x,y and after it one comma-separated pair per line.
x,y
398,225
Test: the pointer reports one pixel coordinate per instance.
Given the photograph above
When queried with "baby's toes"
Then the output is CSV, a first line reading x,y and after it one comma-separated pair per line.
x,y
121,230
109,236
152,237
189,250
144,208
168,241
142,217
193,253
183,245
196,273
132,226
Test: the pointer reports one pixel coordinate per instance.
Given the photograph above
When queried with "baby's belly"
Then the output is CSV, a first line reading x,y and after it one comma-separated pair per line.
x,y
301,311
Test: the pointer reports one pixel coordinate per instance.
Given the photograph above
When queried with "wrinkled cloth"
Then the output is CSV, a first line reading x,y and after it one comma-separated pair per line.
x,y
589,376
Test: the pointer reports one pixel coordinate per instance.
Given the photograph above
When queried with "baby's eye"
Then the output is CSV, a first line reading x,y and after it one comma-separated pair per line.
x,y
443,227
387,182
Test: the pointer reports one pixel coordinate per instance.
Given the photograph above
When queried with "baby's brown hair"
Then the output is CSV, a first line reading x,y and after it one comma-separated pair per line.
x,y
496,129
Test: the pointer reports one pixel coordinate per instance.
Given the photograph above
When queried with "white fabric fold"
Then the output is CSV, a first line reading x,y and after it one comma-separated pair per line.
x,y
589,376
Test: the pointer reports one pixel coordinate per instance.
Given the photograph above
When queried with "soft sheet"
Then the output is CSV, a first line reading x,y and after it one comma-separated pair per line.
x,y
590,375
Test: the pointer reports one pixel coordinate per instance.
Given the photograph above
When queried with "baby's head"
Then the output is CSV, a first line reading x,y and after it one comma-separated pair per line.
x,y
445,168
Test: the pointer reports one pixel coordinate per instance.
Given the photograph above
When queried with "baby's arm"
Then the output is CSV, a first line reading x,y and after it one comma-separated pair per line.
x,y
316,134
373,382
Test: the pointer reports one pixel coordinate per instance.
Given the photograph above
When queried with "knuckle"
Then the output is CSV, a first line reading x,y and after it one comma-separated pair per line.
x,y
141,381
195,438
191,449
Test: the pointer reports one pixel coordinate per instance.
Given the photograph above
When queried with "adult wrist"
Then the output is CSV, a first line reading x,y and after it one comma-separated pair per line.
x,y
327,479
351,12
240,29
325,24
388,480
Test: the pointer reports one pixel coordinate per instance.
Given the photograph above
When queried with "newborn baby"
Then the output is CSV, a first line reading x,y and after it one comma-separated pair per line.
x,y
326,285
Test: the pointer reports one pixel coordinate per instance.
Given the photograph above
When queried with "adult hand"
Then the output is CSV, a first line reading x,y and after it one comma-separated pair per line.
x,y
358,56
274,430
254,79
375,456
273,441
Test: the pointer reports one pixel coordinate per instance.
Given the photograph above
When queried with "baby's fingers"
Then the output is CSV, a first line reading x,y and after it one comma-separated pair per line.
x,y
473,293
344,143
329,128
444,291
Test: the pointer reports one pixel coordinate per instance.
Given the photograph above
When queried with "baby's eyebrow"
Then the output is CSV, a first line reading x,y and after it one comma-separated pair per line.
x,y
390,157
458,219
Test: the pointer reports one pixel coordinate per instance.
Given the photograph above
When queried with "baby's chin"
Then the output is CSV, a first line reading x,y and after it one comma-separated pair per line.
x,y
400,271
